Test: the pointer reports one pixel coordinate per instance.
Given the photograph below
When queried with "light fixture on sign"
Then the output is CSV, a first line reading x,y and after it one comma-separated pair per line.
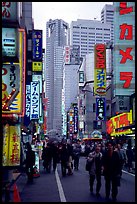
x,y
9,100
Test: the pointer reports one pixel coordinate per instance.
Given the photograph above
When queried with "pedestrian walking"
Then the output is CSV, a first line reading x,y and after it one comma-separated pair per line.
x,y
130,156
29,162
70,158
55,155
95,160
122,155
64,158
111,170
47,157
76,154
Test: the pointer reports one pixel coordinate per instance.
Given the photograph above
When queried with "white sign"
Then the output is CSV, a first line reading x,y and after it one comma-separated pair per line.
x,y
34,113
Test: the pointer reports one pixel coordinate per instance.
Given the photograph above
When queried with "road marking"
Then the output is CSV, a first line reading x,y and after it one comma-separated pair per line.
x,y
61,192
128,173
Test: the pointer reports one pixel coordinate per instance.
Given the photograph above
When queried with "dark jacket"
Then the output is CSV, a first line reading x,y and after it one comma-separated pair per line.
x,y
30,158
111,164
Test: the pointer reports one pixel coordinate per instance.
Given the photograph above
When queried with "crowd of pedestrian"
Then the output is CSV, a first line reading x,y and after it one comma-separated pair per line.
x,y
105,159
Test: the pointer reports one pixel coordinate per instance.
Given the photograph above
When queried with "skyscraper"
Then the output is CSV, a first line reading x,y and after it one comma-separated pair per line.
x,y
86,33
107,16
56,39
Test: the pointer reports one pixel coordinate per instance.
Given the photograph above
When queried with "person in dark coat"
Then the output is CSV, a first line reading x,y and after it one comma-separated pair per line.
x,y
64,158
112,171
55,154
29,162
129,154
47,157
76,154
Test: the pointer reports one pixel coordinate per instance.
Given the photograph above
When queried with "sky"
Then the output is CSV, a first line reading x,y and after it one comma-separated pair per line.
x,y
67,11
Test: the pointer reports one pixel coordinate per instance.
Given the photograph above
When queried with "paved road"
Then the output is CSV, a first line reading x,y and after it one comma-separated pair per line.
x,y
55,188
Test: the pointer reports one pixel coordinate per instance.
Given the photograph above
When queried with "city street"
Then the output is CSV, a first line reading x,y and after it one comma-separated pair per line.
x,y
55,188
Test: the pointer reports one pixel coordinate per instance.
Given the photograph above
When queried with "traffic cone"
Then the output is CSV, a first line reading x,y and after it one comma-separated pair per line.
x,y
16,196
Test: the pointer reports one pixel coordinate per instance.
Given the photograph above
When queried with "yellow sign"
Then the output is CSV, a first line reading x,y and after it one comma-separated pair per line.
x,y
100,69
36,66
6,134
12,71
119,121
11,145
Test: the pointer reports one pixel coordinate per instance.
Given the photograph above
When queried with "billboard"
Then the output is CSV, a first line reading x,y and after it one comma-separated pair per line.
x,y
119,121
13,82
100,69
124,48
11,145
37,45
34,111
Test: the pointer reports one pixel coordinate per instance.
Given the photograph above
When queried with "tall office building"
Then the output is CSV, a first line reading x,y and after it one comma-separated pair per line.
x,y
107,16
86,33
56,39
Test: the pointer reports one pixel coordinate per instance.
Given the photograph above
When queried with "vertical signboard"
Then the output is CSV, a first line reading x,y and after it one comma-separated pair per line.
x,y
124,48
67,55
28,101
36,77
100,69
37,45
13,82
100,109
75,119
11,145
34,111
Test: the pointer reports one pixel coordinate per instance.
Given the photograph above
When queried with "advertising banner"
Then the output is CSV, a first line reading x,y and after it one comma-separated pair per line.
x,y
37,45
119,121
124,48
13,82
34,111
100,69
11,145
28,101
75,119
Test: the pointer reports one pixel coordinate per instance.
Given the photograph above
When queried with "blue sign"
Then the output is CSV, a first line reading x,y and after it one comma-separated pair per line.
x,y
37,45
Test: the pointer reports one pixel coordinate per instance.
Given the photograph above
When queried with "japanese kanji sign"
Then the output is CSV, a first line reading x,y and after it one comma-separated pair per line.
x,y
11,145
124,48
37,45
100,108
34,113
100,69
